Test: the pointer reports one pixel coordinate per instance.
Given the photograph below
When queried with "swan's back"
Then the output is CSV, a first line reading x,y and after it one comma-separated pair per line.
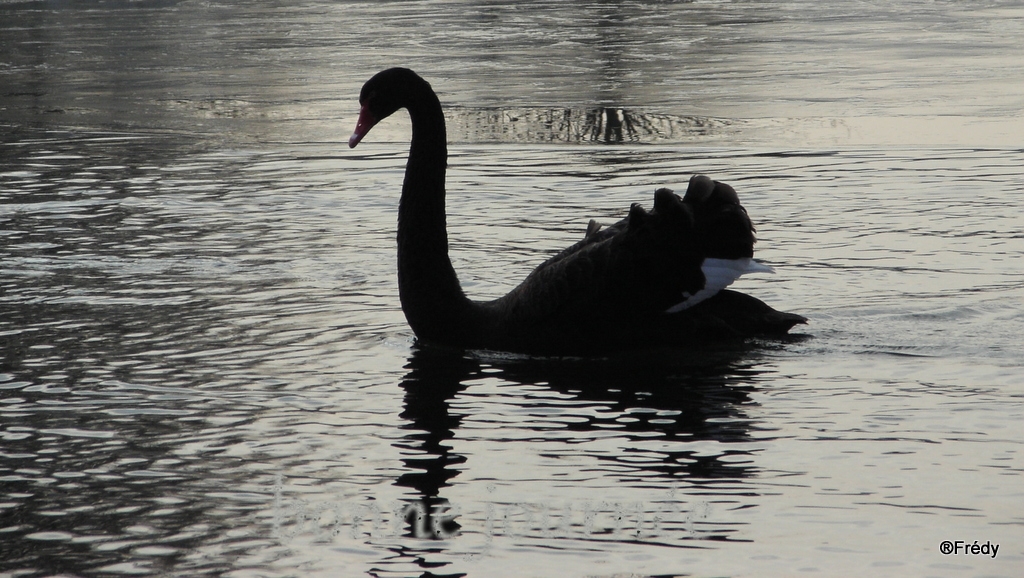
x,y
645,281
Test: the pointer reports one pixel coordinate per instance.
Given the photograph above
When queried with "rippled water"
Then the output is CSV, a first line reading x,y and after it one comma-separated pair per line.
x,y
205,369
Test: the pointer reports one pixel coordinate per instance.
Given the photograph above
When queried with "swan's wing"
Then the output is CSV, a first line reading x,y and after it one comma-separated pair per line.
x,y
639,279
719,274
642,266
595,234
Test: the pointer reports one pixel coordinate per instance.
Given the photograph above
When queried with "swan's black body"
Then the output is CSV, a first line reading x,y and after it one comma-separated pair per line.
x,y
609,292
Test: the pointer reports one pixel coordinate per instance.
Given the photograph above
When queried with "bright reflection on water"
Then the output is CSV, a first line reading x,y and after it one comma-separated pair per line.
x,y
205,370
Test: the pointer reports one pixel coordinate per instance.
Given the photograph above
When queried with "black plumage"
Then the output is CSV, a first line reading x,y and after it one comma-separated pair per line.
x,y
609,292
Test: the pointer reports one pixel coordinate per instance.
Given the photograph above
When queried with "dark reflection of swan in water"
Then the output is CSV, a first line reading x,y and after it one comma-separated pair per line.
x,y
703,393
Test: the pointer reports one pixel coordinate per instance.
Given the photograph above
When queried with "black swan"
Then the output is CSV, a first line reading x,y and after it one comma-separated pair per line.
x,y
655,279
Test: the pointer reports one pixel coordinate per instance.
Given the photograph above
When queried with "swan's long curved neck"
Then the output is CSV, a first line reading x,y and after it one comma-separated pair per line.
x,y
433,302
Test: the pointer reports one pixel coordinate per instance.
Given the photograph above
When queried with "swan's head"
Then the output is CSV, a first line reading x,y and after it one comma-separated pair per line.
x,y
382,95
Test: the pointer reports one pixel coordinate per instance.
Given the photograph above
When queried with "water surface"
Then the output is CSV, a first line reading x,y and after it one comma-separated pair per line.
x,y
206,371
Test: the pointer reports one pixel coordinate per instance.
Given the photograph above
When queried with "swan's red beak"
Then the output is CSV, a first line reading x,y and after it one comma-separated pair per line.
x,y
363,126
